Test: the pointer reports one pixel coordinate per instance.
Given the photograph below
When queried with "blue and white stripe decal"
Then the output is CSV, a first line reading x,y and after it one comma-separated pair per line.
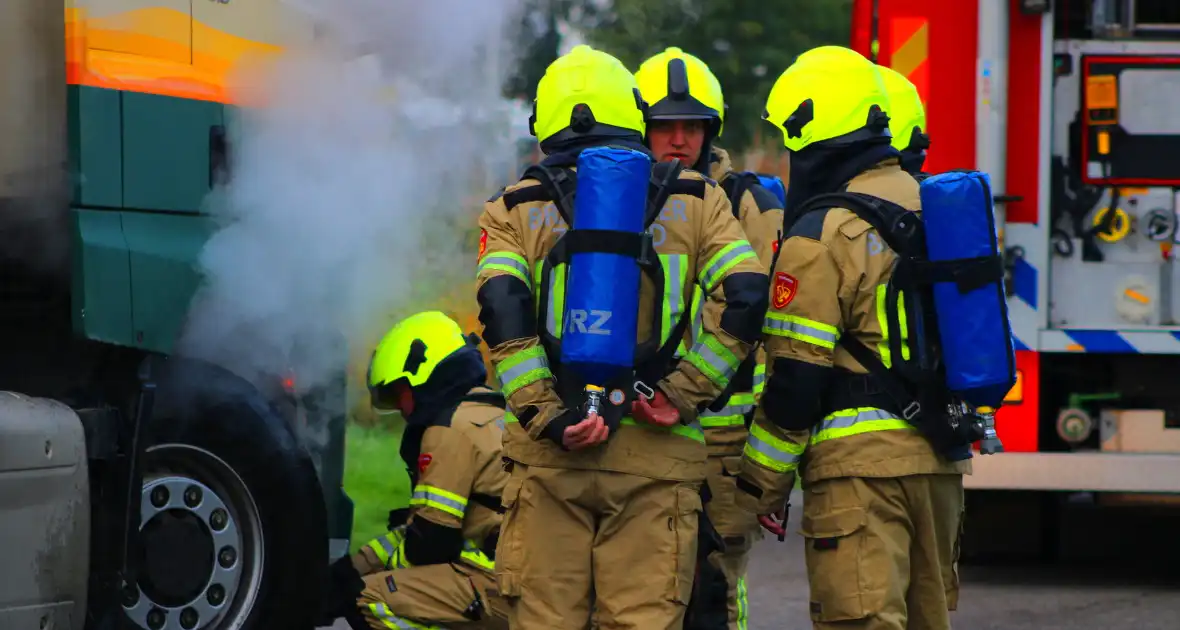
x,y
1027,289
1111,341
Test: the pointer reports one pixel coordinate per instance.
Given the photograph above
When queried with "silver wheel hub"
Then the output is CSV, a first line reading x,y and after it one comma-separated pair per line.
x,y
193,557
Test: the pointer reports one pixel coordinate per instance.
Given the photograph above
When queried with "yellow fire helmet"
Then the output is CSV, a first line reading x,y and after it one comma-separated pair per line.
x,y
907,116
830,94
679,86
587,92
411,350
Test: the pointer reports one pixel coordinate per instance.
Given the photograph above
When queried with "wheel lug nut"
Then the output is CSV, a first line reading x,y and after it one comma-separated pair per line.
x,y
216,595
189,618
130,596
226,557
192,496
156,619
159,496
218,519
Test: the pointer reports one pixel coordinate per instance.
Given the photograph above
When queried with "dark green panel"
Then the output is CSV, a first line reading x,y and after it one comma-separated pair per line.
x,y
96,150
166,151
102,278
163,255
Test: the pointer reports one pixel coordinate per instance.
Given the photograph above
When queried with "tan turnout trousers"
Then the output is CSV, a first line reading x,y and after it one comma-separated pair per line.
x,y
882,553
637,557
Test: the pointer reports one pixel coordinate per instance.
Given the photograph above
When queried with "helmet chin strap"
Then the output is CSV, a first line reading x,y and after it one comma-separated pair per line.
x,y
702,163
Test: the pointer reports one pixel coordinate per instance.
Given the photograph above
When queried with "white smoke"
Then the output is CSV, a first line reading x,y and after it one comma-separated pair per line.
x,y
357,172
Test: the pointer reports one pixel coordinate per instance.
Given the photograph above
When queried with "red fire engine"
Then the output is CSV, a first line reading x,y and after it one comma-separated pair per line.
x,y
1070,106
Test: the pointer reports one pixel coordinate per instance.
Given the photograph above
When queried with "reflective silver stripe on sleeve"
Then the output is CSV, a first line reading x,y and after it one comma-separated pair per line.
x,y
509,376
707,276
780,327
784,459
438,500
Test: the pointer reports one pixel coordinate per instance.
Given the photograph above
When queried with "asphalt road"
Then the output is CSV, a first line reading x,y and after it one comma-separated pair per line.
x,y
1106,594
1136,585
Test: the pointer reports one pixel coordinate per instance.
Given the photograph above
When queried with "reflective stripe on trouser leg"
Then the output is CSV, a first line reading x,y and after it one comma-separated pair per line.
x,y
382,613
743,604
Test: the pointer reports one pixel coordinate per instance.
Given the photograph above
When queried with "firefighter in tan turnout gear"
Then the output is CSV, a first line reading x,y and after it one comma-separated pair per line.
x,y
434,569
603,508
686,113
882,510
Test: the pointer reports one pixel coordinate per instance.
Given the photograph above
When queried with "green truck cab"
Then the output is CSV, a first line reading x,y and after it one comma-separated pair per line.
x,y
135,483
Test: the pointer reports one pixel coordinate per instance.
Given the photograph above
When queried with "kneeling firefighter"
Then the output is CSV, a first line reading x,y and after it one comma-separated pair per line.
x,y
435,566
860,375
686,114
907,122
586,271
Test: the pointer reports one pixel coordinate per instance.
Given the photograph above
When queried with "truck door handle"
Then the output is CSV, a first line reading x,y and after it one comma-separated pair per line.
x,y
218,155
1006,198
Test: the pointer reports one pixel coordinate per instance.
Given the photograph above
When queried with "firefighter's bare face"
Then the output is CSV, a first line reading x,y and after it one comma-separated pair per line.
x,y
679,139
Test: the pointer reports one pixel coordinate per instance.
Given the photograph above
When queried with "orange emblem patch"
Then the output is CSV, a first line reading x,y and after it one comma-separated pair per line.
x,y
483,243
785,288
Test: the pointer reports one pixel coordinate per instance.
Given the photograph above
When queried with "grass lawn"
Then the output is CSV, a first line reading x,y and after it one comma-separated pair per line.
x,y
375,478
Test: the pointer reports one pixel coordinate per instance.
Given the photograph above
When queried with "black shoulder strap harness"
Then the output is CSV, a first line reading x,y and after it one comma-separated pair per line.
x,y
911,384
559,185
411,449
739,182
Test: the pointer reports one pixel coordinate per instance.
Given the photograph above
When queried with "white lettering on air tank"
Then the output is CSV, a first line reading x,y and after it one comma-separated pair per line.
x,y
578,319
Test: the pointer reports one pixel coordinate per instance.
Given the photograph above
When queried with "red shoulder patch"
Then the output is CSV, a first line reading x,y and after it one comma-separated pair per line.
x,y
483,243
424,462
785,288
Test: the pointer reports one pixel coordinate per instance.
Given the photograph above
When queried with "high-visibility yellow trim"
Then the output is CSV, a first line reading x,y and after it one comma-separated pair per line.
x,y
439,499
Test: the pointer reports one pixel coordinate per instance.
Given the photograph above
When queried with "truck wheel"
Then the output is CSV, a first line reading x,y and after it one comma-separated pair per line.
x,y
234,529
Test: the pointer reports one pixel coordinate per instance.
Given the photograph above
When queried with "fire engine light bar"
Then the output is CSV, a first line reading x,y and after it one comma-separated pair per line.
x,y
1015,395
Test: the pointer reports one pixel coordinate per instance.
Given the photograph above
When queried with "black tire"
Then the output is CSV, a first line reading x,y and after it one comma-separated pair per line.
x,y
230,420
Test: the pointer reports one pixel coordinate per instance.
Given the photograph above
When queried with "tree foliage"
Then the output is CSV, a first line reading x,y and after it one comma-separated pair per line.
x,y
747,43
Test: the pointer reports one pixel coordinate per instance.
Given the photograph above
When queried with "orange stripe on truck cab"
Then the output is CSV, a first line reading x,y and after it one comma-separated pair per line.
x,y
152,51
